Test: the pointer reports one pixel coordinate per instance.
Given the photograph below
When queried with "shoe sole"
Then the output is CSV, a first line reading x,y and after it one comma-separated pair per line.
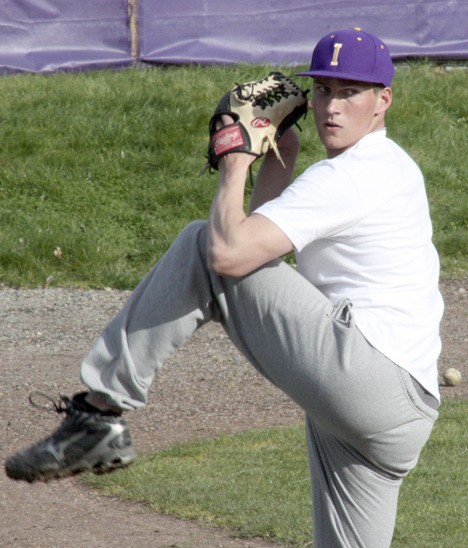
x,y
98,468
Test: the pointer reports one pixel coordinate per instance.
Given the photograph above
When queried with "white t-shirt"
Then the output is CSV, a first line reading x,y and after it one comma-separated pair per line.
x,y
361,230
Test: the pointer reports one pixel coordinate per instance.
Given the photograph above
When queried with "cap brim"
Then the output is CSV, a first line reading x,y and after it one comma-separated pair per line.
x,y
340,75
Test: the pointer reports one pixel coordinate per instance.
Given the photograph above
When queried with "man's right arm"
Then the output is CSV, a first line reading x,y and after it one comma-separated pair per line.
x,y
272,177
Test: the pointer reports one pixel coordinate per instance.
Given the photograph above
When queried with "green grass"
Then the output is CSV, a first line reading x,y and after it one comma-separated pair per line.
x,y
429,118
258,484
105,165
433,510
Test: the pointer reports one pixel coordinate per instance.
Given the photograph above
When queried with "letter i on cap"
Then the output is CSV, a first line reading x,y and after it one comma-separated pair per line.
x,y
352,55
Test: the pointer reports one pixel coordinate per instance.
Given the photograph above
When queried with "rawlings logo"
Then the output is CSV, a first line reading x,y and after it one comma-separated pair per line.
x,y
227,139
260,122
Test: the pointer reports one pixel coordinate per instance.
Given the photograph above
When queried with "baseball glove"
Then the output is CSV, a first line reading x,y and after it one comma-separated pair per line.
x,y
262,111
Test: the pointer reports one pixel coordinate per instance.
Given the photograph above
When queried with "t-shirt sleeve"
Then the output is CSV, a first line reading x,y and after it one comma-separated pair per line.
x,y
320,203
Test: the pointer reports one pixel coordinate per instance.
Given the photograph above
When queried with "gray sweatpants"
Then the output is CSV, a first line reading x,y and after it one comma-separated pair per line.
x,y
366,423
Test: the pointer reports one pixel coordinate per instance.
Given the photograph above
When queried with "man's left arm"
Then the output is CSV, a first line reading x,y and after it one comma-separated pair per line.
x,y
237,243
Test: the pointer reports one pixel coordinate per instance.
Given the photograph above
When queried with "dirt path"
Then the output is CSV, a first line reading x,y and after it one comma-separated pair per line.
x,y
206,389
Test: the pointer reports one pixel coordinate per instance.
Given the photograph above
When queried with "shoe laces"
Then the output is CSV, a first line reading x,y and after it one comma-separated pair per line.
x,y
48,403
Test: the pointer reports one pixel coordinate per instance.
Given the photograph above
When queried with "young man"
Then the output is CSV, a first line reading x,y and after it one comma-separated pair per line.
x,y
352,336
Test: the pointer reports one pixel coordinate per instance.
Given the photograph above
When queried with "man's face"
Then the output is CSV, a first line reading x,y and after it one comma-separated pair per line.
x,y
345,111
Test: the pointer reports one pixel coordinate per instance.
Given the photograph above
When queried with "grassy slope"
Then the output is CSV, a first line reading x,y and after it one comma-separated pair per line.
x,y
105,166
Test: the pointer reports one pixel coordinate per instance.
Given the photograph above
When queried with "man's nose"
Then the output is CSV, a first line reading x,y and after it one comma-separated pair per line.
x,y
333,104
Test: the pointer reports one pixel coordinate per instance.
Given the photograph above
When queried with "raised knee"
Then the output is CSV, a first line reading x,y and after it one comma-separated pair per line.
x,y
196,226
196,233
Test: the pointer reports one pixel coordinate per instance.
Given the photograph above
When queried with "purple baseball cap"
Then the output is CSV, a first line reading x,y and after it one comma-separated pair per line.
x,y
352,55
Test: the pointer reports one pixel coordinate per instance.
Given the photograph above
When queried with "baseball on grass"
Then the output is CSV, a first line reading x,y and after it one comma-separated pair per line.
x,y
452,377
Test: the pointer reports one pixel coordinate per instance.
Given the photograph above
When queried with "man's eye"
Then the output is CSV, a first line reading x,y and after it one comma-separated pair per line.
x,y
323,90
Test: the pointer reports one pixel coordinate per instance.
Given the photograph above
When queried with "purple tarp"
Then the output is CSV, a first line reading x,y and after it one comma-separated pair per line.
x,y
50,35
47,35
281,32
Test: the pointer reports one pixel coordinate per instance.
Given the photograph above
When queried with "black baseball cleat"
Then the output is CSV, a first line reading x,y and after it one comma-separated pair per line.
x,y
87,440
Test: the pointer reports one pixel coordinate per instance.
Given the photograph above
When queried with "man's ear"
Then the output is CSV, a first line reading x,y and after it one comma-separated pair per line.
x,y
384,101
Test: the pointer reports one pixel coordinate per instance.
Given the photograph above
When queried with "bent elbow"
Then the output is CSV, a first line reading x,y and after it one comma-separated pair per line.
x,y
225,264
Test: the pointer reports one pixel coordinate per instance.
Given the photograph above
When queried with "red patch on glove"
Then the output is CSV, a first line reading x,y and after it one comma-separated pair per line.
x,y
226,139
